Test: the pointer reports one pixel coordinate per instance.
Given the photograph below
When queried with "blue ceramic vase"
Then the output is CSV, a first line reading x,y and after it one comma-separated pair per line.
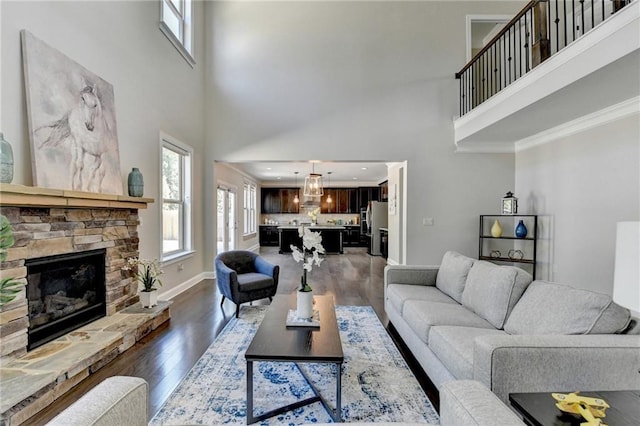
x,y
521,230
136,183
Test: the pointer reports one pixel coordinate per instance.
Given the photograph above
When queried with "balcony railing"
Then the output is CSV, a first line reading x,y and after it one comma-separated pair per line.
x,y
541,29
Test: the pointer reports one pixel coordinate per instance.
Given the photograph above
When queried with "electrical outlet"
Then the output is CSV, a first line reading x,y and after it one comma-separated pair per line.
x,y
180,267
427,221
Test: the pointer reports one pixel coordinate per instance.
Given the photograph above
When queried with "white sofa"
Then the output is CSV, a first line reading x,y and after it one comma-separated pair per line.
x,y
474,320
120,401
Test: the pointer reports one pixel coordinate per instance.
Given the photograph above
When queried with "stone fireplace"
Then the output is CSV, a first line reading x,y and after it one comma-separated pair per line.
x,y
51,222
60,233
64,292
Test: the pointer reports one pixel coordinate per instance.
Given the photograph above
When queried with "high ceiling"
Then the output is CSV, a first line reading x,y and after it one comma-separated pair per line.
x,y
343,173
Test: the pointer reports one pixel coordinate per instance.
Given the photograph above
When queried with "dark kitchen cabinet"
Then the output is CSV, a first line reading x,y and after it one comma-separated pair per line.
x,y
278,200
368,193
326,206
384,191
348,200
270,200
352,236
269,235
287,197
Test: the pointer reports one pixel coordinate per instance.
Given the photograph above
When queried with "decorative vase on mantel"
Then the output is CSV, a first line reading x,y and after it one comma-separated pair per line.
x,y
6,160
135,182
149,299
304,307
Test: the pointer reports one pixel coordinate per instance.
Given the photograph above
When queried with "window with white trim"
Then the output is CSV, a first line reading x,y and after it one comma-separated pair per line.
x,y
176,165
249,208
177,25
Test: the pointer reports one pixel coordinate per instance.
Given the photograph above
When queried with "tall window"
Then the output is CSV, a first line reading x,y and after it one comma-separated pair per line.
x,y
249,208
176,24
176,198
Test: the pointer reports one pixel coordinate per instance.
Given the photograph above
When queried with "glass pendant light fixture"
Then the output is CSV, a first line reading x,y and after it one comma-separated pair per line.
x,y
313,184
296,200
329,200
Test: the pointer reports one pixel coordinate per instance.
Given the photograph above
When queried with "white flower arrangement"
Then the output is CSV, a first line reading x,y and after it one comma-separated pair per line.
x,y
310,254
313,214
146,271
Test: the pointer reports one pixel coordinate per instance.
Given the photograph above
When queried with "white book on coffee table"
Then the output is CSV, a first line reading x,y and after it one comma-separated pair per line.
x,y
294,321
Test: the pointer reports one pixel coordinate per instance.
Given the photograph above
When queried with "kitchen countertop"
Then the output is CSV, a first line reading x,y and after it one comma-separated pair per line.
x,y
313,227
384,229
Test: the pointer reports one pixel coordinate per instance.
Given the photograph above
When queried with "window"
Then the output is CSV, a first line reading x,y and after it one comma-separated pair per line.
x,y
176,24
176,198
249,208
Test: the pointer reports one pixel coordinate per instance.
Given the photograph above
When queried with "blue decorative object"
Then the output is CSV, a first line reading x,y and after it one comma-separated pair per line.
x,y
521,230
136,183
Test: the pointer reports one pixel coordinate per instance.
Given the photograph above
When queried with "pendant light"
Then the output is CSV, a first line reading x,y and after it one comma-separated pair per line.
x,y
313,184
296,200
329,200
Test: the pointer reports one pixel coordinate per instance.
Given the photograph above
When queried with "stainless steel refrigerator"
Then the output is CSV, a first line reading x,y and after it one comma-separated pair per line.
x,y
377,217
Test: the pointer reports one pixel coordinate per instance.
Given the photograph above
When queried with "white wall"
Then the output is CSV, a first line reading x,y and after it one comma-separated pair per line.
x,y
370,81
582,185
155,89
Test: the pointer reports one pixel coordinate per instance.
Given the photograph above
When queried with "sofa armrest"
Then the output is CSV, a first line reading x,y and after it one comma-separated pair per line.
x,y
557,363
468,402
410,274
117,400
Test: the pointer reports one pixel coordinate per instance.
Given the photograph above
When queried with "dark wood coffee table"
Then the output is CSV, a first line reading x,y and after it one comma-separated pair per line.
x,y
276,342
540,409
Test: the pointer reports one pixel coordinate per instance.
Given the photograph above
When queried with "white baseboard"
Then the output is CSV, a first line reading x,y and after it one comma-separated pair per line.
x,y
181,288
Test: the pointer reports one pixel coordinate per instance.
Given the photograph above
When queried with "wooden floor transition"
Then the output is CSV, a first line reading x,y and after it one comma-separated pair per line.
x,y
166,355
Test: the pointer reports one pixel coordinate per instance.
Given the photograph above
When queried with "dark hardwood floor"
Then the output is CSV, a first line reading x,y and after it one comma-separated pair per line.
x,y
165,356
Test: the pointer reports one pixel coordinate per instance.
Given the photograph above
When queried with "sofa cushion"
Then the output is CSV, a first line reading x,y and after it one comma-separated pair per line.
x,y
397,294
492,290
454,347
552,308
452,274
422,315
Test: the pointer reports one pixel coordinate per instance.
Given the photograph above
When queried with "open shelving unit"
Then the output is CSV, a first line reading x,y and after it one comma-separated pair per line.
x,y
508,241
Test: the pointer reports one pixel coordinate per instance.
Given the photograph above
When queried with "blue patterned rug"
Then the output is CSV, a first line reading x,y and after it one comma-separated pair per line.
x,y
377,385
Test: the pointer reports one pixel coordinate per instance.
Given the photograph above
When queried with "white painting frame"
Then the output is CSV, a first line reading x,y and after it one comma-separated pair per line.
x,y
72,122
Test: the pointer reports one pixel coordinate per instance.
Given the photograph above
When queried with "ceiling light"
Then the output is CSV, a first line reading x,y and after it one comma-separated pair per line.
x,y
363,168
313,184
296,200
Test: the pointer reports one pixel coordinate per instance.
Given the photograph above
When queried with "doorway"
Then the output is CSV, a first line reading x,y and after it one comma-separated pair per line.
x,y
226,219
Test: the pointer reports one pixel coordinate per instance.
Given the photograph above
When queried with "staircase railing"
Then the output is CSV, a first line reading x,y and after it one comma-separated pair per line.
x,y
541,29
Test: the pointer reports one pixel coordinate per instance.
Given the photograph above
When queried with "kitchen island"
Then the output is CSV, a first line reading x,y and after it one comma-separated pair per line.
x,y
332,236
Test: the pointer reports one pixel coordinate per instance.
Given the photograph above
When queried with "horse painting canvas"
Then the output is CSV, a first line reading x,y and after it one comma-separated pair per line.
x,y
72,123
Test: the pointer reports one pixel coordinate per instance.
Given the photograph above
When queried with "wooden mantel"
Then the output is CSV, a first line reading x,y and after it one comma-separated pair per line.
x,y
32,196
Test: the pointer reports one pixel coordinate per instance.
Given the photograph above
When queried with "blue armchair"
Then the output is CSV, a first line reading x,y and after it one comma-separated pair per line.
x,y
244,276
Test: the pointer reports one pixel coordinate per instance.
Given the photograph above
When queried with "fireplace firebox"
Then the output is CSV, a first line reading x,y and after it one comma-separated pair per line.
x,y
64,292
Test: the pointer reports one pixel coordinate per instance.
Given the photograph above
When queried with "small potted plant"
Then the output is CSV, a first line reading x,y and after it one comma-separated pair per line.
x,y
148,273
9,286
309,255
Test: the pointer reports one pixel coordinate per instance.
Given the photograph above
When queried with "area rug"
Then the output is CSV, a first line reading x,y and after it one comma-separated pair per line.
x,y
377,384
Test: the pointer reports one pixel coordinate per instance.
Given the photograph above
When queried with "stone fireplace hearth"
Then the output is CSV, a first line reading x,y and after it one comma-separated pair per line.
x,y
49,222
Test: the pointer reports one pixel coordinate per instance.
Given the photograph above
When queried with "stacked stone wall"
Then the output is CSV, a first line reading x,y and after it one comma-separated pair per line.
x,y
40,232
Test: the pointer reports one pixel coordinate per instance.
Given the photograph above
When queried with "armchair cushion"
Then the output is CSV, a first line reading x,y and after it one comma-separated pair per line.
x,y
252,281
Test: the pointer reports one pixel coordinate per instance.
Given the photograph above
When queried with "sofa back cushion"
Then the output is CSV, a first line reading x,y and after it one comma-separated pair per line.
x,y
452,274
492,290
552,308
